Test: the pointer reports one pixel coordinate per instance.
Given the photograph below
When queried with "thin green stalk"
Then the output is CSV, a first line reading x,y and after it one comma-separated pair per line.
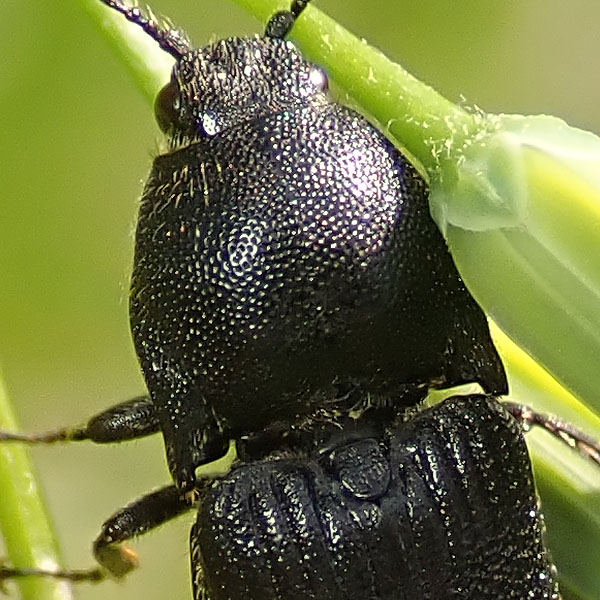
x,y
148,65
403,105
26,529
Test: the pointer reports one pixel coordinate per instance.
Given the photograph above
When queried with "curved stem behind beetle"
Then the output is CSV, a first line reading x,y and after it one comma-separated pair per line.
x,y
411,112
26,530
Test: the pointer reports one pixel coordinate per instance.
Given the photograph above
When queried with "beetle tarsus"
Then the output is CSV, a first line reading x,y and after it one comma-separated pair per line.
x,y
136,518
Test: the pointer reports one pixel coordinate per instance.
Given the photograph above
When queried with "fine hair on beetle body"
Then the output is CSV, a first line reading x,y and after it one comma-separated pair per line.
x,y
491,376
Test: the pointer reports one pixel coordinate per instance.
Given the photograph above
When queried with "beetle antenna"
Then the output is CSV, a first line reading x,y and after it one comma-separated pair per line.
x,y
281,22
169,39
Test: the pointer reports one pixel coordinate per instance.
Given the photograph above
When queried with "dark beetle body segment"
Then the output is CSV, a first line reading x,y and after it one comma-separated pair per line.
x,y
440,507
285,257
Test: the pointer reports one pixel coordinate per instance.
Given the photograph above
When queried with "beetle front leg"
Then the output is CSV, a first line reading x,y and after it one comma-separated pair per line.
x,y
142,515
115,558
92,575
129,420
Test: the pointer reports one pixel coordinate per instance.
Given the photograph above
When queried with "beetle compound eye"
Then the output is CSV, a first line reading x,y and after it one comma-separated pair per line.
x,y
166,107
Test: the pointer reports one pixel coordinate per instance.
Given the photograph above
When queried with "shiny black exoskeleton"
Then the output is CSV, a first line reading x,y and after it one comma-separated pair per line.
x,y
291,292
436,504
286,259
440,506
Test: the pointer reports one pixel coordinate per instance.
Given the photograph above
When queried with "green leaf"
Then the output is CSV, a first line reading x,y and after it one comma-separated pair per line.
x,y
520,208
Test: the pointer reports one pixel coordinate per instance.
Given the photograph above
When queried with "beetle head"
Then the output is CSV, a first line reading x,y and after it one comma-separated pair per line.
x,y
231,81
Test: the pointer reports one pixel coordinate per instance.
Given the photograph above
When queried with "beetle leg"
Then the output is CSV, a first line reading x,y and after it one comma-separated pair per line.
x,y
117,559
193,437
127,420
92,575
574,437
142,515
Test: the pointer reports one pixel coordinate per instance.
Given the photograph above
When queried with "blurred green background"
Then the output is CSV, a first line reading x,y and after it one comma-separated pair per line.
x,y
77,140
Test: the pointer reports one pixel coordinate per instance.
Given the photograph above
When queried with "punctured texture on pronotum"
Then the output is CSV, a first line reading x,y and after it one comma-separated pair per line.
x,y
285,258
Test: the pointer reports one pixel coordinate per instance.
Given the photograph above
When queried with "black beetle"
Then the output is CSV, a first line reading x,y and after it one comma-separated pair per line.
x,y
285,256
285,259
319,349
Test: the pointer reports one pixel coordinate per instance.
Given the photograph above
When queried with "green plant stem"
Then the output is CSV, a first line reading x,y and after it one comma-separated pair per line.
x,y
26,530
148,65
407,109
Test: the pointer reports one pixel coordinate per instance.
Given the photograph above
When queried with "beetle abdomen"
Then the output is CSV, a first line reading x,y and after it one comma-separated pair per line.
x,y
438,508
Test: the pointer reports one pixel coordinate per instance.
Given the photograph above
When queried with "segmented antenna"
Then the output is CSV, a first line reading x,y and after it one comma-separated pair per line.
x,y
281,22
170,40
